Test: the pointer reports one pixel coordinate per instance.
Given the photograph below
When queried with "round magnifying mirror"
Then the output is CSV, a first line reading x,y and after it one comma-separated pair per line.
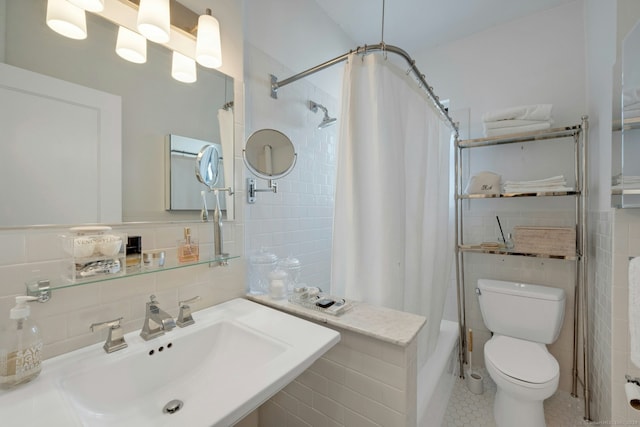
x,y
269,154
208,165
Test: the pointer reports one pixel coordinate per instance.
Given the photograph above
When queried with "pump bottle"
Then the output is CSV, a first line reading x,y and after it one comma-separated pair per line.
x,y
20,347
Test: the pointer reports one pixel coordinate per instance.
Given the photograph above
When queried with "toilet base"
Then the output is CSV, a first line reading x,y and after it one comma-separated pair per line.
x,y
509,412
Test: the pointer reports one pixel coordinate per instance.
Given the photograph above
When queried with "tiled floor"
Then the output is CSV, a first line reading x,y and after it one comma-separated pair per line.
x,y
466,409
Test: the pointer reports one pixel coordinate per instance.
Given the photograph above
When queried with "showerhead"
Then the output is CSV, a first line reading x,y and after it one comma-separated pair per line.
x,y
326,121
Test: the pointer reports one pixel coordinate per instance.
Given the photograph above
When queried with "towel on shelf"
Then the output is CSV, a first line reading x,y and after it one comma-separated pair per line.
x,y
554,183
538,112
620,182
484,183
517,129
500,124
634,313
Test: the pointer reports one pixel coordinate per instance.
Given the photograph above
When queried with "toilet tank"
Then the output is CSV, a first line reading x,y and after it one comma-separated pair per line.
x,y
520,310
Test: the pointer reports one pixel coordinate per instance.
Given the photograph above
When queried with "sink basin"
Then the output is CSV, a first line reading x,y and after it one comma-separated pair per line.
x,y
236,356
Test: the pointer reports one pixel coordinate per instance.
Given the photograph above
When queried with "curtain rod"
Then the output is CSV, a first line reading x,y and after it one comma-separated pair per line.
x,y
380,47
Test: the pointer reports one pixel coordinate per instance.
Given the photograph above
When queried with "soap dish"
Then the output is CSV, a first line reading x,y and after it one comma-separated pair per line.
x,y
323,303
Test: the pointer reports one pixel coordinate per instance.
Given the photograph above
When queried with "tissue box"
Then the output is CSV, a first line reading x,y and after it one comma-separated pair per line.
x,y
545,240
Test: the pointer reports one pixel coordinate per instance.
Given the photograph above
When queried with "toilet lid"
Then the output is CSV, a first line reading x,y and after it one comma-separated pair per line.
x,y
523,360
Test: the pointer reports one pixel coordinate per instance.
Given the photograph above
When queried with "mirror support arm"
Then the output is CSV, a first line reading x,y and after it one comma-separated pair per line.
x,y
252,189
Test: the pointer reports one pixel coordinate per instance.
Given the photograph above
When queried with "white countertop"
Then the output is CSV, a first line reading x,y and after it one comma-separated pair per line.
x,y
385,324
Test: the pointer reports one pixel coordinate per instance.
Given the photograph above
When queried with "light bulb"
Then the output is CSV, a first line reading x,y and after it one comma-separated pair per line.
x,y
131,46
183,68
208,50
66,19
154,20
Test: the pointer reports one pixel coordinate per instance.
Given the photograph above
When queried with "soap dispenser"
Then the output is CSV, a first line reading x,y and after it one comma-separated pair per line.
x,y
20,347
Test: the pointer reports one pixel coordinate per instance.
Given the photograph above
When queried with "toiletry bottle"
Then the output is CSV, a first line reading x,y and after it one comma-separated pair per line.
x,y
188,250
134,253
20,347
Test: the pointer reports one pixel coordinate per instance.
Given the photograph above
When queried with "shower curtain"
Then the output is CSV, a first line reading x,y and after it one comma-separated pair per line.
x,y
392,238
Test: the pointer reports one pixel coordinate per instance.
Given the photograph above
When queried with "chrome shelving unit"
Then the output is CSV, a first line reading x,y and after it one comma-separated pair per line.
x,y
578,133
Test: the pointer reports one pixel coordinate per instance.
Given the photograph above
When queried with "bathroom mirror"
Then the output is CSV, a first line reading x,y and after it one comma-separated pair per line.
x,y
269,154
153,106
189,163
626,141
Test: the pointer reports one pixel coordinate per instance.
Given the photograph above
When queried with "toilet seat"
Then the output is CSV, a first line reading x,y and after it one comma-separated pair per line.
x,y
524,361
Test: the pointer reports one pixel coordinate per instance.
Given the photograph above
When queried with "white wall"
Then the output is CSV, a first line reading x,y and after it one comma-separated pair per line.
x,y
298,219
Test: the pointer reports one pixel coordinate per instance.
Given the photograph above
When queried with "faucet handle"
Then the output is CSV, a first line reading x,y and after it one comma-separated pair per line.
x,y
185,318
115,339
188,301
153,300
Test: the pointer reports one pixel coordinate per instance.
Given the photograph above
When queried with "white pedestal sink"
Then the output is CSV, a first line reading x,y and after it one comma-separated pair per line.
x,y
213,373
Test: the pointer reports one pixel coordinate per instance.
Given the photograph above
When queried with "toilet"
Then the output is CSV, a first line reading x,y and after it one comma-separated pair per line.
x,y
523,318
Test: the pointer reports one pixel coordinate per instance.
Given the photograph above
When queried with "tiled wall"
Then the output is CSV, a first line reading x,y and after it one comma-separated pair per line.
x,y
361,382
481,225
600,322
298,219
64,320
626,243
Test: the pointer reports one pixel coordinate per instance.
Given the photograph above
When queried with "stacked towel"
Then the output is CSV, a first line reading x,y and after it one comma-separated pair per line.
x,y
634,313
525,118
620,181
631,103
554,183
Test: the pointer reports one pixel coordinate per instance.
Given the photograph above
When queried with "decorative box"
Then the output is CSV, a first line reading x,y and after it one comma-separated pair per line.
x,y
93,252
559,241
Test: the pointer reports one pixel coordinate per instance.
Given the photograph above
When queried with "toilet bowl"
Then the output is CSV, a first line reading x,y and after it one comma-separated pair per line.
x,y
525,374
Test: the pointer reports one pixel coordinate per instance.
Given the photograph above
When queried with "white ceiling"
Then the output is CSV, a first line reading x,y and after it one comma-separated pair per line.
x,y
420,24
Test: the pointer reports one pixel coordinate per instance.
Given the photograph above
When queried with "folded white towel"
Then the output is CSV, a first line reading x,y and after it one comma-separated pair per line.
x,y
630,96
512,123
518,190
517,129
634,313
558,179
524,112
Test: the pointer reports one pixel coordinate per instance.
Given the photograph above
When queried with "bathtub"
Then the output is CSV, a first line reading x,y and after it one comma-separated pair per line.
x,y
437,377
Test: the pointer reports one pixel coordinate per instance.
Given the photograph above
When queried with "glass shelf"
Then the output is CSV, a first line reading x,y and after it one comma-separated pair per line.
x,y
513,195
171,263
503,251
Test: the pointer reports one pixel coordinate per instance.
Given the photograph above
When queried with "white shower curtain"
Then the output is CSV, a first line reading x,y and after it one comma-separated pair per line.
x,y
392,242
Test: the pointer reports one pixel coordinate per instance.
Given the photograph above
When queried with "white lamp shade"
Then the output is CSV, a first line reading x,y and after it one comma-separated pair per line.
x,y
131,46
66,19
183,68
90,5
154,20
208,50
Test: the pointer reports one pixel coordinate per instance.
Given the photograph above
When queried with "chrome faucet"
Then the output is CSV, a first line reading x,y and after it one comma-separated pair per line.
x,y
156,321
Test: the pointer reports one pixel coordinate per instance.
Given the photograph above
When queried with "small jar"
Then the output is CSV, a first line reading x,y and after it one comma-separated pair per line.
x,y
292,267
260,265
278,284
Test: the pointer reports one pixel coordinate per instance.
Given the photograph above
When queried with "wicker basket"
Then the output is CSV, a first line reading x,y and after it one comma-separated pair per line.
x,y
545,240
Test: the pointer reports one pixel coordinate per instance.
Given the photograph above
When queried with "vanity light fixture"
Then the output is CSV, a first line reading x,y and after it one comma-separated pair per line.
x,y
89,5
208,50
154,20
183,68
166,22
66,19
131,46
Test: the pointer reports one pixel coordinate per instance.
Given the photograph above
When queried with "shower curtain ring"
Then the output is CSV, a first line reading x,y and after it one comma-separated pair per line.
x,y
413,63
